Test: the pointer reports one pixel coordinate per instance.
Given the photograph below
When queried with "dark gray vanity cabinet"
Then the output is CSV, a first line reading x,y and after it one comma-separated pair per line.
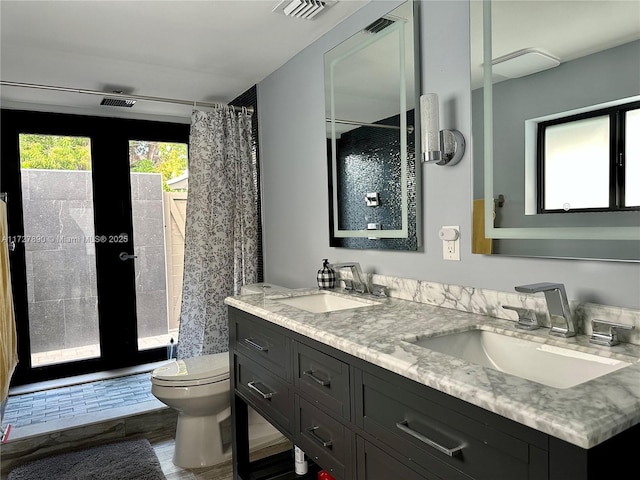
x,y
423,430
359,421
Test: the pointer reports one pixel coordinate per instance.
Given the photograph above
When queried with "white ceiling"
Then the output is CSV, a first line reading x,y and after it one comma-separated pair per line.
x,y
566,29
213,50
207,50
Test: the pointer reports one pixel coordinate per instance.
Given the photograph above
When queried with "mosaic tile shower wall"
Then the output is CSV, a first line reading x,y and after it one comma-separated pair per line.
x,y
369,162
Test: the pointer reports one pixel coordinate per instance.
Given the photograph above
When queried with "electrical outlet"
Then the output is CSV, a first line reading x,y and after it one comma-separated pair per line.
x,y
450,248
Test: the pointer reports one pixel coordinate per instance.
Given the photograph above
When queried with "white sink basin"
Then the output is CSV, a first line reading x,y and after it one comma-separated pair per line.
x,y
547,364
319,302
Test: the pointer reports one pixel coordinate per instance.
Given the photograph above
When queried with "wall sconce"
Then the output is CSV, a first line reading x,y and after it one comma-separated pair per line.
x,y
442,147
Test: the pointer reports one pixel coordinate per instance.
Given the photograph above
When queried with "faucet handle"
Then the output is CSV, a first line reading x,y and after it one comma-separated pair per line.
x,y
527,318
606,333
378,290
360,287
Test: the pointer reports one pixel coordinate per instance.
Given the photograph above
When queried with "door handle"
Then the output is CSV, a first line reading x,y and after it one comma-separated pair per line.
x,y
124,256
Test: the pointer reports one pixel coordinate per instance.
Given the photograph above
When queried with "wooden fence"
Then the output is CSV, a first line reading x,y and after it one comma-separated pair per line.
x,y
175,207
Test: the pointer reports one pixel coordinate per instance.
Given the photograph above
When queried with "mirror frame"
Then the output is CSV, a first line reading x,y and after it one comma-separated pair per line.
x,y
555,233
408,237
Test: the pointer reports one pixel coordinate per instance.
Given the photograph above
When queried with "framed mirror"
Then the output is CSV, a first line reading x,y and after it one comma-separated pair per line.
x,y
555,109
371,82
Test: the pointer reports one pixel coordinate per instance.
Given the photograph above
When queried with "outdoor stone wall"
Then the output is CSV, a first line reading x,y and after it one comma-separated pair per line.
x,y
60,257
149,233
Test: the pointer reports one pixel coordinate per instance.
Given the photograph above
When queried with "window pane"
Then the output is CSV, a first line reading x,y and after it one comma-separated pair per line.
x,y
632,159
159,179
577,164
57,205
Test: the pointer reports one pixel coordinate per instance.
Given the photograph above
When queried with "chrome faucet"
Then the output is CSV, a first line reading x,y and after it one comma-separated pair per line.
x,y
358,283
562,323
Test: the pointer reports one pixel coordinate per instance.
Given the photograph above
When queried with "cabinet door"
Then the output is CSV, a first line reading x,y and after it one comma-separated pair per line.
x,y
268,394
322,379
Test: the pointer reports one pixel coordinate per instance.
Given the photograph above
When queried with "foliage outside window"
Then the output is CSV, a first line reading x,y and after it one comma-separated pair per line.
x,y
53,152
168,159
590,161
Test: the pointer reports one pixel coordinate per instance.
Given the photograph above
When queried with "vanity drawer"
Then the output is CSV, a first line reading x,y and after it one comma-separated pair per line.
x,y
322,379
268,394
438,438
325,440
267,346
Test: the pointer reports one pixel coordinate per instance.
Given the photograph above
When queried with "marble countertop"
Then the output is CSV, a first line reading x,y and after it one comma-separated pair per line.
x,y
584,415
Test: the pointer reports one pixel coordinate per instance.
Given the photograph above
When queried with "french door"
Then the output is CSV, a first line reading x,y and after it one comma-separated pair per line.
x,y
87,225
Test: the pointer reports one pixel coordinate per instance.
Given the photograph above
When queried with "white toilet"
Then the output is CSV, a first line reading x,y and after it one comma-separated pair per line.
x,y
198,388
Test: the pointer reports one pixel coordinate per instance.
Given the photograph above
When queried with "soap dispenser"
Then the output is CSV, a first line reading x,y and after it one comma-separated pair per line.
x,y
326,275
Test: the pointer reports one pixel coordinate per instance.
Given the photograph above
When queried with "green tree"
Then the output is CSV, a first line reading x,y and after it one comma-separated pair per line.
x,y
167,159
143,166
53,152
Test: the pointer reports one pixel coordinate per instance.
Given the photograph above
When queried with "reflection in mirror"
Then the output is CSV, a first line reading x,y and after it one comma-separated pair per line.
x,y
542,74
370,96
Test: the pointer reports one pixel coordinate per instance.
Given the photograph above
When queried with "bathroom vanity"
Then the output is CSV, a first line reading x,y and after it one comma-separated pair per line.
x,y
363,402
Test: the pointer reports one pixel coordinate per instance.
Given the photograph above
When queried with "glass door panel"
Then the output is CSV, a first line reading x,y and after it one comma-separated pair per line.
x,y
59,242
158,202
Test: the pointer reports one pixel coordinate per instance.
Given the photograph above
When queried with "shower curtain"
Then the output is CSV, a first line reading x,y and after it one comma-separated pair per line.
x,y
221,232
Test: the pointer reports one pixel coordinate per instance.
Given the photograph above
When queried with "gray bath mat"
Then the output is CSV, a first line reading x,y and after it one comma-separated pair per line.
x,y
128,460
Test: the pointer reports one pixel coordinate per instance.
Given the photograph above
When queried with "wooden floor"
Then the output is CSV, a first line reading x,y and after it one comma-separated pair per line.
x,y
164,452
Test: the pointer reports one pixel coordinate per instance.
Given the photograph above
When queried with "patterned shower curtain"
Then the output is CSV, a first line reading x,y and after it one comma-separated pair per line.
x,y
221,232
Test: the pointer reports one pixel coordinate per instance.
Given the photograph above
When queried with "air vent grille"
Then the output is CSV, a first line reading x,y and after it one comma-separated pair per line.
x,y
379,25
117,102
305,9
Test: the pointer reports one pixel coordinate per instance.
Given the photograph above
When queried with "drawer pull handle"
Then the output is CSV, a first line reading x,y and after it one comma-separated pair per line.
x,y
325,443
257,346
452,452
319,381
265,395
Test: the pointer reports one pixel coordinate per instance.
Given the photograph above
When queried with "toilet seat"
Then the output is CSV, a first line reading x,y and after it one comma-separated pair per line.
x,y
193,371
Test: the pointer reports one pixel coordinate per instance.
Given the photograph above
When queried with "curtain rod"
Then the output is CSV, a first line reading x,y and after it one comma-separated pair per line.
x,y
123,95
364,124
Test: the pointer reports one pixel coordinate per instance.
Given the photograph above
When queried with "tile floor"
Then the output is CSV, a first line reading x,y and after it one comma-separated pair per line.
x,y
33,409
70,401
50,403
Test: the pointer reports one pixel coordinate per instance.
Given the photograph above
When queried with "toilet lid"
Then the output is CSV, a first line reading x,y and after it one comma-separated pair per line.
x,y
210,367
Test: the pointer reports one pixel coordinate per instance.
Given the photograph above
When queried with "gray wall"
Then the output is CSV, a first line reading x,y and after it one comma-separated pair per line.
x,y
294,173
583,82
533,96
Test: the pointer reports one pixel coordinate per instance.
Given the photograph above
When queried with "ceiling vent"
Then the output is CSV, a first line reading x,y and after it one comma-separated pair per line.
x,y
306,9
379,25
117,102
